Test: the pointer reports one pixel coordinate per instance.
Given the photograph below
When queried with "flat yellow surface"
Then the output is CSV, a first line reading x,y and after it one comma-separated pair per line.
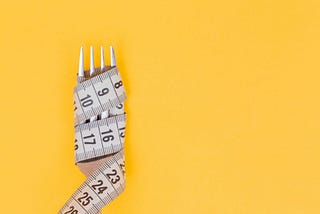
x,y
223,103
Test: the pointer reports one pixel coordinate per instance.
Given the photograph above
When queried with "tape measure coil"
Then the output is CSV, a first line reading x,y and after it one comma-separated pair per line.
x,y
101,139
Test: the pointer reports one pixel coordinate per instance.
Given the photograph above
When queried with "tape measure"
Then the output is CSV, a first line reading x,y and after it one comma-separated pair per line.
x,y
99,138
100,93
98,144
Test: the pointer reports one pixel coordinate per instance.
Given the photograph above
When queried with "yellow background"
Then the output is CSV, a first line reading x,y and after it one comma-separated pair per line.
x,y
223,103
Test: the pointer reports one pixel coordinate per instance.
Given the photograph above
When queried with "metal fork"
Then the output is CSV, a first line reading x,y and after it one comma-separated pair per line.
x,y
92,69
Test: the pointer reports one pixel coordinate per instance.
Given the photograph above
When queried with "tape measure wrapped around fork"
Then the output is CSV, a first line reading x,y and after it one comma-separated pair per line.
x,y
98,144
98,94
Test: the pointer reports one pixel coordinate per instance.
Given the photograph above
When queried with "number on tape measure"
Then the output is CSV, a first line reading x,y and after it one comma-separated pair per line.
x,y
75,144
91,137
122,166
107,136
85,199
121,132
100,138
119,109
86,101
118,84
98,94
71,210
113,176
104,91
120,106
75,107
99,187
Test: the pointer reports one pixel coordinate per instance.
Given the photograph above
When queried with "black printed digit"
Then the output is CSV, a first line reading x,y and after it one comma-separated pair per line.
x,y
71,210
85,194
75,107
75,144
103,92
108,136
86,101
121,132
89,137
85,199
120,106
118,84
122,166
114,178
99,187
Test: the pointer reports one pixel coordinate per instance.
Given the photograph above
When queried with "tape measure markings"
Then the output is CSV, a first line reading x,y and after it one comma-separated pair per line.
x,y
100,188
98,94
114,88
75,103
76,140
97,72
93,95
113,103
86,193
103,76
80,79
95,91
78,205
99,138
87,183
97,153
102,122
99,84
110,104
115,190
104,168
118,134
123,173
119,109
88,100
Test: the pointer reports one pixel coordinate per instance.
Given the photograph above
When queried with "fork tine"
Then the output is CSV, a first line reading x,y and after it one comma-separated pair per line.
x,y
81,63
112,56
102,64
91,72
91,60
105,113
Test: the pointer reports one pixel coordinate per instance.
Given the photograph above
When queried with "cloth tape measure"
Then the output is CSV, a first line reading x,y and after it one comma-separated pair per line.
x,y
98,144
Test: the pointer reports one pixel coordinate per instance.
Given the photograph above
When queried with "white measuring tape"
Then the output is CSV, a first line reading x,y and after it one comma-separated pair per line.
x,y
98,144
98,94
99,138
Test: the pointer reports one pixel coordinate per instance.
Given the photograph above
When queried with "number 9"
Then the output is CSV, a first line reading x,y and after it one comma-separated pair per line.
x,y
103,92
